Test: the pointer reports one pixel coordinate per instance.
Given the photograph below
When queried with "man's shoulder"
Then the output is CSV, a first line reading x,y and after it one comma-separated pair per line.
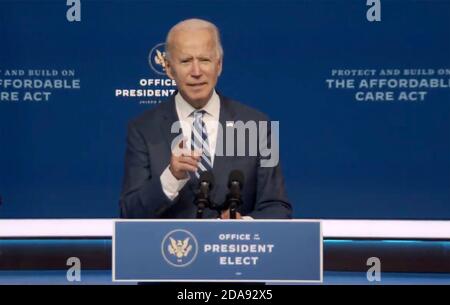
x,y
151,116
243,111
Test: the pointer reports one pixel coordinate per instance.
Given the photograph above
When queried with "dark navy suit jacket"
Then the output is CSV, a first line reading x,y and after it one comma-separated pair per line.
x,y
148,154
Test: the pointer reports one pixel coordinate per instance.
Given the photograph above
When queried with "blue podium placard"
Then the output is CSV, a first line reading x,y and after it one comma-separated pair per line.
x,y
217,250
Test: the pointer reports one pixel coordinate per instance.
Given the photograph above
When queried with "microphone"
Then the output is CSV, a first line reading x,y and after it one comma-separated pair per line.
x,y
206,183
235,185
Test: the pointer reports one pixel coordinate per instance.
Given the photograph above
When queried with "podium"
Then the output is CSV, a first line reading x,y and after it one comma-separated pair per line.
x,y
288,251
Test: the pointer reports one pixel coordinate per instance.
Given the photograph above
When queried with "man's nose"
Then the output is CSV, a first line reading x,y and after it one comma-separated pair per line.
x,y
195,69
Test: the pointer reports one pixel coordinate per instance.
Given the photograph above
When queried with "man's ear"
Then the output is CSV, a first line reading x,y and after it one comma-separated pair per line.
x,y
169,71
220,66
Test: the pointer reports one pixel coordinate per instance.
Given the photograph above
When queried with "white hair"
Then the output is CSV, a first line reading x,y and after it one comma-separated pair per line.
x,y
194,24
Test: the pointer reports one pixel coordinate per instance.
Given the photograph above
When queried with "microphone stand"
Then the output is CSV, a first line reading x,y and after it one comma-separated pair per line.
x,y
202,200
234,199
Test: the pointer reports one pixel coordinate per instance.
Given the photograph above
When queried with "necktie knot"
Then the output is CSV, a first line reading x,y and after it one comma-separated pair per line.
x,y
198,114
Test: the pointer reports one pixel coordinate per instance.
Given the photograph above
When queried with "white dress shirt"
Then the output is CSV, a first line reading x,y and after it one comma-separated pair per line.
x,y
171,185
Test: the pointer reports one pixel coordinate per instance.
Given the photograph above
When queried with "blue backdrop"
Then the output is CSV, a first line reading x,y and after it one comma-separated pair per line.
x,y
342,157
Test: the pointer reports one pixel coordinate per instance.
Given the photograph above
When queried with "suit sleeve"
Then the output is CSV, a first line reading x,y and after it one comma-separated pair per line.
x,y
271,199
142,195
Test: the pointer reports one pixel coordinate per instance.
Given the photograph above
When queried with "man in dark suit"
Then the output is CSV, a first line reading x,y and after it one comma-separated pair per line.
x,y
162,164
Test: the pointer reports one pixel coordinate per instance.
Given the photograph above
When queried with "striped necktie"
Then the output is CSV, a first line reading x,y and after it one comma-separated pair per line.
x,y
199,141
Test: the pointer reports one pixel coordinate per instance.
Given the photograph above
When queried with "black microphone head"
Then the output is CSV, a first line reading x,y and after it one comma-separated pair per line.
x,y
236,176
207,176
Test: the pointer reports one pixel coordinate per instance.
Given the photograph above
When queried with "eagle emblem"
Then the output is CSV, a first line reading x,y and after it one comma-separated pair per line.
x,y
179,248
160,59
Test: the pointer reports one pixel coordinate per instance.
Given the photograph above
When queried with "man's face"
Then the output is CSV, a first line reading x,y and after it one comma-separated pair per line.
x,y
194,65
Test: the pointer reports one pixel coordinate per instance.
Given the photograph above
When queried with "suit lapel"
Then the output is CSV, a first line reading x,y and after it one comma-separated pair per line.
x,y
221,166
168,118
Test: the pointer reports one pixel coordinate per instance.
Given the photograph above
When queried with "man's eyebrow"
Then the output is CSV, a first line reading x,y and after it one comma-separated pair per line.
x,y
185,57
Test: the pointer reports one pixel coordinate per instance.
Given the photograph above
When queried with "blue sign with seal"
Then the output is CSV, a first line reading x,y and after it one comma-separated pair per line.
x,y
217,250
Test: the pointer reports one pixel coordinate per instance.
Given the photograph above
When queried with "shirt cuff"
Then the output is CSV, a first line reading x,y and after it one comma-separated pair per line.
x,y
170,184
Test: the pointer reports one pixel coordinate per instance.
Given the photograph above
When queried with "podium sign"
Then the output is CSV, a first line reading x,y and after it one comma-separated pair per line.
x,y
217,250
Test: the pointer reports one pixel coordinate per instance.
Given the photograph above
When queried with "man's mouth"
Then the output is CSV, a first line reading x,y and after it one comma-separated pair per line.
x,y
197,85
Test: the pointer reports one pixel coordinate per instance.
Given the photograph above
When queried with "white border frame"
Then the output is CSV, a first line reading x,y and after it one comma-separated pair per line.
x,y
339,229
55,228
213,280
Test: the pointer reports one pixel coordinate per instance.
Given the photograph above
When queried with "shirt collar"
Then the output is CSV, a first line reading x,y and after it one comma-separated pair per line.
x,y
185,109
